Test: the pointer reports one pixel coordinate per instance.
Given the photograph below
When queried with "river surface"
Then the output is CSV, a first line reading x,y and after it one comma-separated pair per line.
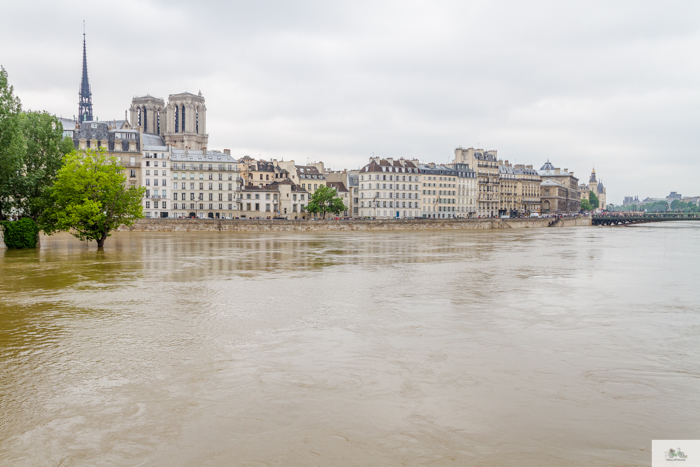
x,y
561,347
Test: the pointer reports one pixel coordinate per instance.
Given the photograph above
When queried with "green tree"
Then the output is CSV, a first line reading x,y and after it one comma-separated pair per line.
x,y
586,205
89,197
595,202
11,145
43,156
325,200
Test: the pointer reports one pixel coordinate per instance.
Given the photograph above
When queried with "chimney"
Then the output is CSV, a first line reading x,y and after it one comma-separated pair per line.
x,y
227,152
390,160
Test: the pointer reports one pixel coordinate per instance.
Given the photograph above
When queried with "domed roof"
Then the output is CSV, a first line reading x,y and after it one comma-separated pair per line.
x,y
547,166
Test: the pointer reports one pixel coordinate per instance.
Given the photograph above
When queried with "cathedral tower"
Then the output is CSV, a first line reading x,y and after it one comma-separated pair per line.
x,y
85,96
186,125
149,113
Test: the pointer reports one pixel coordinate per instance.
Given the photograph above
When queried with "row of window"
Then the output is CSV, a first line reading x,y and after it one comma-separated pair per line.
x,y
201,186
183,196
383,186
201,176
390,204
183,166
399,178
382,194
164,182
193,206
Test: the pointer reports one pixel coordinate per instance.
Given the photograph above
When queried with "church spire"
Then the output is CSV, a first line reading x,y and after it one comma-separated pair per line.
x,y
85,99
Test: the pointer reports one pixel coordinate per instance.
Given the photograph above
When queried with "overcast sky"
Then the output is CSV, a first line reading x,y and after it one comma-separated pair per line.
x,y
611,84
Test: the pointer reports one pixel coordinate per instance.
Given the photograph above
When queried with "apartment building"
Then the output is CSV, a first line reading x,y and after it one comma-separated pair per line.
x,y
205,184
508,186
485,164
467,190
528,189
280,199
156,176
390,189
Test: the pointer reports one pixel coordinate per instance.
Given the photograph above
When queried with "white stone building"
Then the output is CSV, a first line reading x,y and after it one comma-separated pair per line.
x,y
155,176
205,184
390,189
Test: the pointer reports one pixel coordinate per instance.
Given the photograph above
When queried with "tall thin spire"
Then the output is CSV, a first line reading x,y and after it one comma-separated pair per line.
x,y
85,96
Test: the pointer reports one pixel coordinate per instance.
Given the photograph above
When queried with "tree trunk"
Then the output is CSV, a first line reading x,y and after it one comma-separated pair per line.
x,y
101,241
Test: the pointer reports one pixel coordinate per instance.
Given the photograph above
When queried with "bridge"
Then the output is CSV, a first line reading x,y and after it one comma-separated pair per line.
x,y
642,219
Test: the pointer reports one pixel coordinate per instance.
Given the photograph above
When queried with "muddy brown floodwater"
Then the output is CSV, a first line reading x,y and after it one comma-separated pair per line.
x,y
571,346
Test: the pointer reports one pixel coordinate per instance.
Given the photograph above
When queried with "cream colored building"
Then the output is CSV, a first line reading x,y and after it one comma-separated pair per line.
x,y
508,186
390,189
205,184
447,192
280,199
528,189
485,164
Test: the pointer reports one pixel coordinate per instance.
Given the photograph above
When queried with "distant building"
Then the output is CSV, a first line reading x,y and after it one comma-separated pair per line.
x,y
628,200
597,187
559,190
673,196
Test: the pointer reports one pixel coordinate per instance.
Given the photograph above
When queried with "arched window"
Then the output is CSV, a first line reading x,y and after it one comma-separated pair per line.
x,y
183,118
139,116
158,122
177,119
145,121
196,121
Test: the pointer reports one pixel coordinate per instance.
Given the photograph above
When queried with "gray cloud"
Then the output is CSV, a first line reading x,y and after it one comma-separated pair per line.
x,y
607,83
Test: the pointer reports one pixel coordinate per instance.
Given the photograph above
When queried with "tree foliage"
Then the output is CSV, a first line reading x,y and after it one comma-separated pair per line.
x,y
43,156
31,152
20,234
89,197
586,205
594,201
325,200
11,145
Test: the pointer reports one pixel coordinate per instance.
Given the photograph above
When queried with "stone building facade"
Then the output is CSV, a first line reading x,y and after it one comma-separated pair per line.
x,y
390,189
485,164
182,122
597,187
559,190
528,190
205,184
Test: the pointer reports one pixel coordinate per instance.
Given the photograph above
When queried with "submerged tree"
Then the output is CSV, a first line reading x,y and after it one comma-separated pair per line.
x,y
89,197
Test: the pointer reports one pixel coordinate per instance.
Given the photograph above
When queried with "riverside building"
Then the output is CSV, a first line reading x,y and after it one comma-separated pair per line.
x,y
390,189
559,190
485,164
155,173
528,189
205,184
444,191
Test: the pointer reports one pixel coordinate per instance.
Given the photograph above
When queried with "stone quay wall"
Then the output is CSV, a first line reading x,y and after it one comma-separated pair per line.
x,y
242,225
